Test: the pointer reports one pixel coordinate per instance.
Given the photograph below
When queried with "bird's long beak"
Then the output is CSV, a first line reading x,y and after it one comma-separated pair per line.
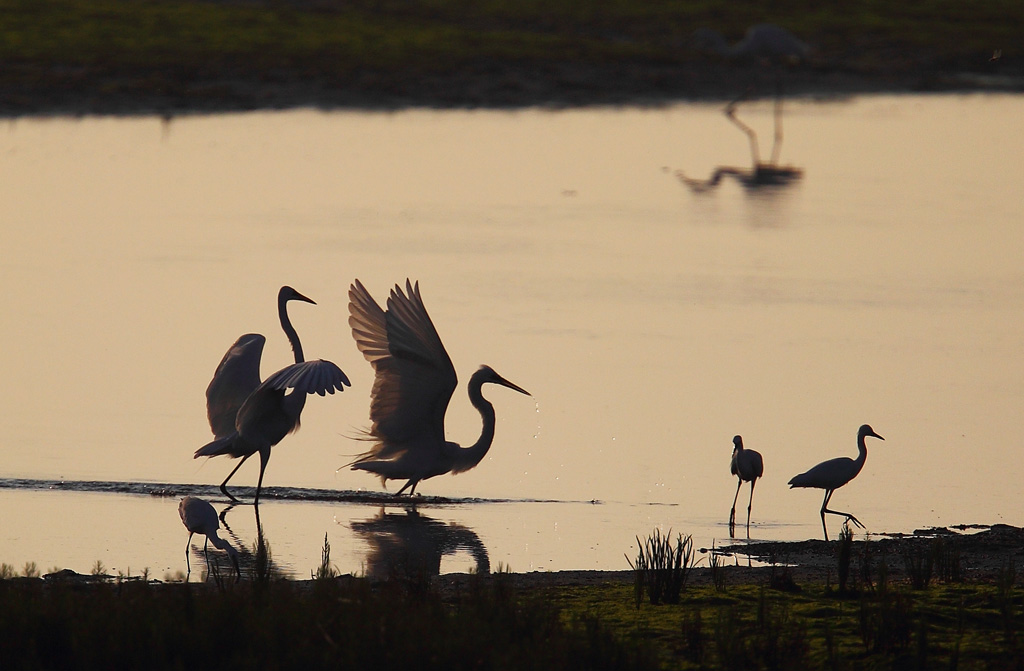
x,y
505,383
300,297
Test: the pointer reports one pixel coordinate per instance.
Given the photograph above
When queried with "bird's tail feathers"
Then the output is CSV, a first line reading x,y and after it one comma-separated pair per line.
x,y
798,481
217,447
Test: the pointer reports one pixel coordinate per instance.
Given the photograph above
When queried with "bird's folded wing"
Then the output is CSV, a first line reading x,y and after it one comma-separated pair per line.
x,y
237,376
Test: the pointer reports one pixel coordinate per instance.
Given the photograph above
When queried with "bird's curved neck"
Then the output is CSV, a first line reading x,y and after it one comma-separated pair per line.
x,y
474,454
862,452
289,330
221,543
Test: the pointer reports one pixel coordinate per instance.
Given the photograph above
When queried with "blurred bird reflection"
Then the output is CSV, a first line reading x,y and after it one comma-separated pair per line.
x,y
411,545
256,561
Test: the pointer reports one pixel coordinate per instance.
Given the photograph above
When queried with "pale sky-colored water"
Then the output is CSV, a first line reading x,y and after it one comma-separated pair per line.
x,y
651,324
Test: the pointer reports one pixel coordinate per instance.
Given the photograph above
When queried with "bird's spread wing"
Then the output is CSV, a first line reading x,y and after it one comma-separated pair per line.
x,y
415,377
310,377
238,374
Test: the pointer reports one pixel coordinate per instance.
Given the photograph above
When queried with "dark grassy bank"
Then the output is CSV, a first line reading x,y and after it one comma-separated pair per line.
x,y
488,622
112,56
335,623
940,600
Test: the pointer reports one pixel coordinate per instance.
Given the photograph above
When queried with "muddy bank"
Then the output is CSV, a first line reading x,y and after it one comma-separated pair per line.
x,y
978,552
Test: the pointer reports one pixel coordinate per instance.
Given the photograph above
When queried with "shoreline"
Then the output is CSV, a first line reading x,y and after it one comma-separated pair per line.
x,y
56,92
983,555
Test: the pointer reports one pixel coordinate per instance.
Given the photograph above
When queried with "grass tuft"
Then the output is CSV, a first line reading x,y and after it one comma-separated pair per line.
x,y
661,568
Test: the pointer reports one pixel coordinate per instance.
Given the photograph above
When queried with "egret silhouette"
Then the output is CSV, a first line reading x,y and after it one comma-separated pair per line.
x,y
747,466
247,416
832,474
199,517
414,382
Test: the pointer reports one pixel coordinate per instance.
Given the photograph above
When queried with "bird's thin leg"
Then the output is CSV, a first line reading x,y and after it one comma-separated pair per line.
x,y
750,504
412,491
730,111
777,143
264,458
732,513
188,546
849,517
824,508
224,485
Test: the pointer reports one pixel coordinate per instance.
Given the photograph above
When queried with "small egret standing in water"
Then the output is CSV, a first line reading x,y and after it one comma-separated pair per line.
x,y
199,517
832,474
249,417
414,382
747,466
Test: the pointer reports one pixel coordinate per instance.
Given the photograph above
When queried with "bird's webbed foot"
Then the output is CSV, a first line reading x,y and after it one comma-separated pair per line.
x,y
851,518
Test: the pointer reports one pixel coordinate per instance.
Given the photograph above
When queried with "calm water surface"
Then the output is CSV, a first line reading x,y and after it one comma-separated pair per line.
x,y
650,323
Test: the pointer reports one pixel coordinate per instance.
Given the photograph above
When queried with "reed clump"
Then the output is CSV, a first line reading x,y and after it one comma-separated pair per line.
x,y
661,568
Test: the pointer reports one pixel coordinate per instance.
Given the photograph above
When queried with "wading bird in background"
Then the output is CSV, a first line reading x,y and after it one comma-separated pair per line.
x,y
199,517
747,466
414,382
832,474
764,41
249,417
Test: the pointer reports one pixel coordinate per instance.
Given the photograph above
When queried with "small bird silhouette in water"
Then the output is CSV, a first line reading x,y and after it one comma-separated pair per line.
x,y
247,416
414,382
747,466
832,474
199,517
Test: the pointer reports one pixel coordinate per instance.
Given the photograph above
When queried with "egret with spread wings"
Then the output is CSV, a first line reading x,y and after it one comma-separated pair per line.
x,y
414,381
248,416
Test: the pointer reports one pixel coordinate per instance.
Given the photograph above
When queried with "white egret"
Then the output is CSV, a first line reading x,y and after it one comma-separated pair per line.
x,y
249,417
832,474
413,385
747,466
199,517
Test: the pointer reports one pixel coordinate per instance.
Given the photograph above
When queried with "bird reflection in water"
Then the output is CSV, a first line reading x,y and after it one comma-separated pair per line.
x,y
411,545
255,560
761,174
769,47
